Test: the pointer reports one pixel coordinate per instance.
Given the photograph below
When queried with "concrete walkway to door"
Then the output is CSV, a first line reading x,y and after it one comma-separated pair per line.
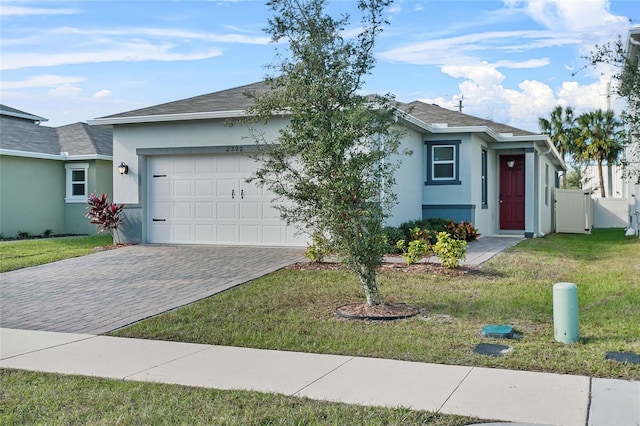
x,y
104,291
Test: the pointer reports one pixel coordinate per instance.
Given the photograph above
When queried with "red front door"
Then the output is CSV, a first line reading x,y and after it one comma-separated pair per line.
x,y
512,192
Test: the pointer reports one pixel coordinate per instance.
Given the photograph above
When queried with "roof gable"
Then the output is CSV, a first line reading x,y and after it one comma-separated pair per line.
x,y
226,100
234,100
26,135
434,114
7,111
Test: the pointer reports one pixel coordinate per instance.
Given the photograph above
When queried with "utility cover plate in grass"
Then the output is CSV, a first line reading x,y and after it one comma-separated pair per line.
x,y
497,331
630,357
491,349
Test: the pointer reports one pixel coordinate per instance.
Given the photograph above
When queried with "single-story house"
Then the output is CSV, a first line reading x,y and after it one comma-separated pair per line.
x,y
187,168
46,174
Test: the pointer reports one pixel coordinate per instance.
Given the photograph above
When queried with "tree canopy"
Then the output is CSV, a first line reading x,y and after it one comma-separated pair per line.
x,y
333,165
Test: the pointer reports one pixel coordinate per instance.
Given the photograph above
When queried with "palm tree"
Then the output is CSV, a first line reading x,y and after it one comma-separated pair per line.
x,y
600,138
561,130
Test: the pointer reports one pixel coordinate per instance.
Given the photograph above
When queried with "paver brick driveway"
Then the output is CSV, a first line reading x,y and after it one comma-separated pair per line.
x,y
108,290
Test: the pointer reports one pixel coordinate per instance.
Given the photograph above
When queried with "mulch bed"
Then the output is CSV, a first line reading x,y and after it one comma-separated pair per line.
x,y
383,311
417,268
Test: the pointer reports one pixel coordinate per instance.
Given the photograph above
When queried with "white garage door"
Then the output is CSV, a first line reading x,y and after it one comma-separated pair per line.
x,y
204,199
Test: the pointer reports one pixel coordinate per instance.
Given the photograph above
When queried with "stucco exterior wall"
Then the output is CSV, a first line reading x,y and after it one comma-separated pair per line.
x,y
127,139
100,181
409,181
26,204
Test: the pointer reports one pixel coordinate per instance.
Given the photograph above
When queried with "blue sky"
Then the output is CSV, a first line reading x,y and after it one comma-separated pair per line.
x,y
512,60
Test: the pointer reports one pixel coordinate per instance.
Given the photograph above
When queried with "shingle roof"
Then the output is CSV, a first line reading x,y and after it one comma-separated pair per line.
x,y
433,114
235,100
13,112
76,139
226,100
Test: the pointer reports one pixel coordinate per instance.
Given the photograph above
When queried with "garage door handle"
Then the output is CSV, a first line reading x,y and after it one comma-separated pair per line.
x,y
159,176
159,220
242,194
233,194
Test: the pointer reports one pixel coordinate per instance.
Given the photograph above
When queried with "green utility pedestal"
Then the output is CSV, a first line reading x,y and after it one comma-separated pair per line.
x,y
565,312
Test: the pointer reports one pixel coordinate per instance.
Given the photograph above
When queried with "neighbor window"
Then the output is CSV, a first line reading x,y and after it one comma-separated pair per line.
x,y
77,182
443,163
483,179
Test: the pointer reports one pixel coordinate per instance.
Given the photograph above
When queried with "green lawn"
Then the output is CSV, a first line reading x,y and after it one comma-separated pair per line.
x,y
293,310
39,398
26,253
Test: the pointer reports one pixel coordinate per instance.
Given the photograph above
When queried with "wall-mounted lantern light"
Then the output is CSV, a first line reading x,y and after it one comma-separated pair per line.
x,y
123,168
510,163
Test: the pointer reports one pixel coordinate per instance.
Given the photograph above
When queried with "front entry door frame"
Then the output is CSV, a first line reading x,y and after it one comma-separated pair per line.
x,y
512,192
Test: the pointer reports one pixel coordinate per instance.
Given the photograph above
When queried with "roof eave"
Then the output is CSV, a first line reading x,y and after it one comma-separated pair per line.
x,y
57,157
110,121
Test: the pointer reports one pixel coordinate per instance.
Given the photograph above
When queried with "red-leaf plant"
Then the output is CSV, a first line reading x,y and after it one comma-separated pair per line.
x,y
108,216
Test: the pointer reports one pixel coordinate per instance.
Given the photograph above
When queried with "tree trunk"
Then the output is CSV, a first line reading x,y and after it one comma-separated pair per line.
x,y
601,178
368,280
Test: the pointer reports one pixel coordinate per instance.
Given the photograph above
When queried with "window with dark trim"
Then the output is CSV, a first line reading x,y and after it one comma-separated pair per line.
x,y
483,179
443,163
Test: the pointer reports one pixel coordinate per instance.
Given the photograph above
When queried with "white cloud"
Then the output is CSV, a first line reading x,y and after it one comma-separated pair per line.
x,y
482,75
136,51
7,10
102,94
45,80
468,48
168,33
65,91
575,16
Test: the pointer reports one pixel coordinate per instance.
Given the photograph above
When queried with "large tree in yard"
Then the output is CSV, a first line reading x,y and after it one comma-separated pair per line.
x,y
560,128
331,166
627,85
601,137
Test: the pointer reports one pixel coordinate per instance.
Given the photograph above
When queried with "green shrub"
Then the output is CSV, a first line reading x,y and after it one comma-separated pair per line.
x,y
319,249
392,236
414,251
450,251
23,235
463,231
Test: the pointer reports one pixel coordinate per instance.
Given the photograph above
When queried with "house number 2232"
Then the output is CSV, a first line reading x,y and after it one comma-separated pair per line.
x,y
233,148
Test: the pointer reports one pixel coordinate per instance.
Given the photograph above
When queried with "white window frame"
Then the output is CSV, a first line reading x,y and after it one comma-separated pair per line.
x,y
73,167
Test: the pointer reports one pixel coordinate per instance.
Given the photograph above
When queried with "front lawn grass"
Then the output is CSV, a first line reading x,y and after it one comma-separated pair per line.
x,y
41,398
293,310
26,253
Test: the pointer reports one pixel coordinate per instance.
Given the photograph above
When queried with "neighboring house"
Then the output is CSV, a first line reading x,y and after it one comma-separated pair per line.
x,y
46,174
187,168
633,151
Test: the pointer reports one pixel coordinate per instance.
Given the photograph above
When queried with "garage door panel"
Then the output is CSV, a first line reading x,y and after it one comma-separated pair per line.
x,y
205,234
182,211
183,165
204,188
248,234
226,210
226,234
205,199
274,233
249,210
205,211
182,233
226,188
182,188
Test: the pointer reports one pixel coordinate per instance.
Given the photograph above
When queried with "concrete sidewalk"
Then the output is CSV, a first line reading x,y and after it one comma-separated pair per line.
x,y
505,395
